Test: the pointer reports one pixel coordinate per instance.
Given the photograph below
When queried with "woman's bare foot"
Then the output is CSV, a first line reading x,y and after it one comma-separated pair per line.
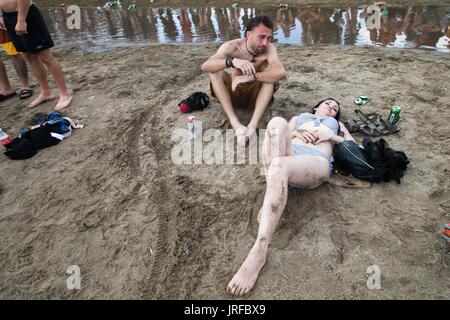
x,y
63,102
41,99
244,280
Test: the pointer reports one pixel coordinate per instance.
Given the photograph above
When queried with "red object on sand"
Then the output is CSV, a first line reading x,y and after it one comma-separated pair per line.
x,y
446,231
184,108
4,138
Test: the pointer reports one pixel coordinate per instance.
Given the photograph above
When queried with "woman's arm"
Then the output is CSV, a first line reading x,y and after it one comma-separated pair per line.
x,y
306,136
326,136
347,135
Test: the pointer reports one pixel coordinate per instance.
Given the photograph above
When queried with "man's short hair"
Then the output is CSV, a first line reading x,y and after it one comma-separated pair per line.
x,y
256,21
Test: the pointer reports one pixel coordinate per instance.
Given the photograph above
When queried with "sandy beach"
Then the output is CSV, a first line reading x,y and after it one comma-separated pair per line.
x,y
110,200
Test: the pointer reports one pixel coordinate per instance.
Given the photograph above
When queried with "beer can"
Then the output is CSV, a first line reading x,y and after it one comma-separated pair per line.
x,y
394,115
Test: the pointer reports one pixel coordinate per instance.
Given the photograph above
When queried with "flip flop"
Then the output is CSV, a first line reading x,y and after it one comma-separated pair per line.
x,y
25,93
372,124
6,97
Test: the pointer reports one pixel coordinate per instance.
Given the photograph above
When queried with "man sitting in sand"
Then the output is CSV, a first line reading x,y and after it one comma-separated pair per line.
x,y
30,35
256,70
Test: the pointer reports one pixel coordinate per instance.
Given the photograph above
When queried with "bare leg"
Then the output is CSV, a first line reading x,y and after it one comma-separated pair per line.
x,y
40,73
277,142
262,102
22,71
55,69
5,86
224,98
309,171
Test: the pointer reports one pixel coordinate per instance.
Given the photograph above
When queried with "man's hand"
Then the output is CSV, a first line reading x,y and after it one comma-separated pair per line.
x,y
245,66
240,79
2,23
21,28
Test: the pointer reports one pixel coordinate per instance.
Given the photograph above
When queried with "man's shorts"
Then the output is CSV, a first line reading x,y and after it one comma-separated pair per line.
x,y
38,37
245,94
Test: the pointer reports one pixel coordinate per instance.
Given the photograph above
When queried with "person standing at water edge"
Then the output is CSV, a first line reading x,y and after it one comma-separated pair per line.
x,y
255,72
30,35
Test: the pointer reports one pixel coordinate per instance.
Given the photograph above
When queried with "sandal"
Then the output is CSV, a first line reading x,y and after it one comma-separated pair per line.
x,y
372,124
25,93
4,97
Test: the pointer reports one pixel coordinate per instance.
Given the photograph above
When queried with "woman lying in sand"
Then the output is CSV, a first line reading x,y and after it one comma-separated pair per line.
x,y
298,154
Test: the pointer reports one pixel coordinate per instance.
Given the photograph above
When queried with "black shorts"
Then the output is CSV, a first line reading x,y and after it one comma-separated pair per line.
x,y
37,39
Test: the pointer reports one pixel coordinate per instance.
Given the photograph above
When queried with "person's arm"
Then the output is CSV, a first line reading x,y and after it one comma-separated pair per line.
x,y
23,7
272,74
275,71
347,135
326,136
2,21
217,61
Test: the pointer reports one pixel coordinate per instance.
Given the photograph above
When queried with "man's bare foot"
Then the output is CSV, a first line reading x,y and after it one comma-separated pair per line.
x,y
250,131
240,133
40,99
7,92
63,102
244,280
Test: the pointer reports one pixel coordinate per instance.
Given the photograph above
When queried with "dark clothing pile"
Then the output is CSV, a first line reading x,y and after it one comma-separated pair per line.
x,y
375,162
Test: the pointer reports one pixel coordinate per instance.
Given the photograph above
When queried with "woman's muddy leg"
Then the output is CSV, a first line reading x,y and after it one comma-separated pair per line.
x,y
274,203
276,141
309,171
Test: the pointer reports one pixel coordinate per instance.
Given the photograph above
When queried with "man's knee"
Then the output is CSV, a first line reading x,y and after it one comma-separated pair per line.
x,y
216,76
46,56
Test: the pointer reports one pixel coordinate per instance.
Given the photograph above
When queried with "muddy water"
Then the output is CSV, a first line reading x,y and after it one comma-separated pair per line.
x,y
106,26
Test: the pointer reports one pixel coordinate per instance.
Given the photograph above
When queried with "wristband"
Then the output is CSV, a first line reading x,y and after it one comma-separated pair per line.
x,y
229,62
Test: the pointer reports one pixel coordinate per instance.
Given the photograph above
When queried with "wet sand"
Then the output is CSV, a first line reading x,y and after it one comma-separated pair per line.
x,y
110,200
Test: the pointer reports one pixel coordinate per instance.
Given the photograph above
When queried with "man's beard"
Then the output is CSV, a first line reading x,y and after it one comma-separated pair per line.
x,y
260,49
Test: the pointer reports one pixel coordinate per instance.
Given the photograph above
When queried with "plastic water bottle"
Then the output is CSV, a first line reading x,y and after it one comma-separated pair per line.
x,y
4,138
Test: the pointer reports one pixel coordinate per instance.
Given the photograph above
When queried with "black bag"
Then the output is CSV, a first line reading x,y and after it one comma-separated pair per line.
x,y
196,101
375,162
388,163
349,157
